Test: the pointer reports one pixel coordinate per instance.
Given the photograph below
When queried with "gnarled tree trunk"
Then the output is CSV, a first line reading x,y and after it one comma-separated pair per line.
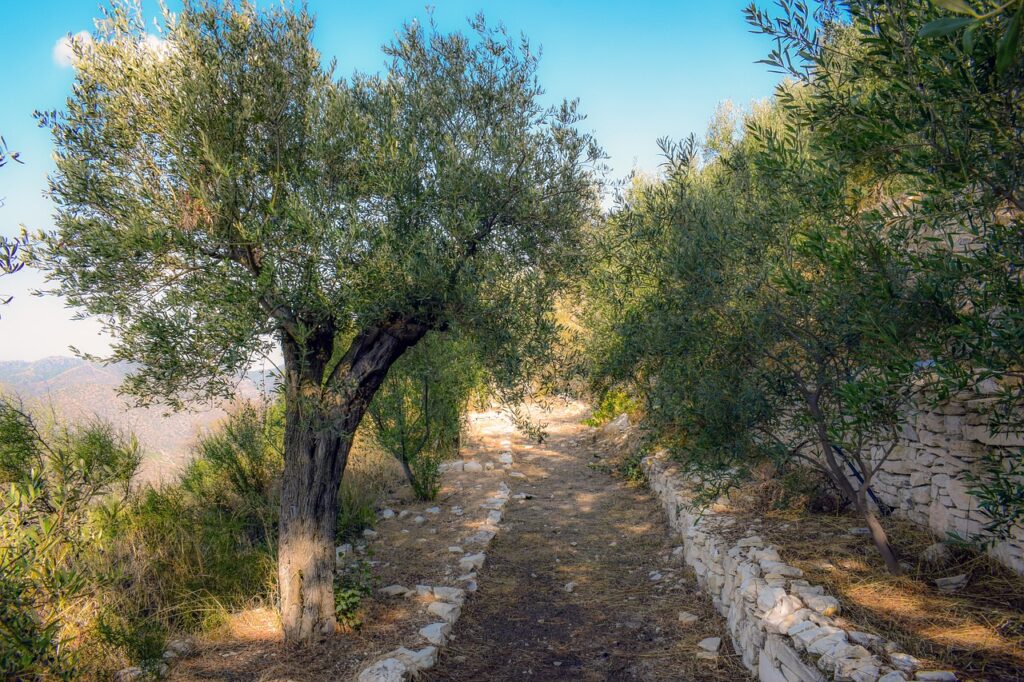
x,y
324,405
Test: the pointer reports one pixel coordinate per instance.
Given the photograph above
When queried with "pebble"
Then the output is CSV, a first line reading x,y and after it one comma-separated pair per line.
x,y
419,520
687,618
570,586
388,514
455,549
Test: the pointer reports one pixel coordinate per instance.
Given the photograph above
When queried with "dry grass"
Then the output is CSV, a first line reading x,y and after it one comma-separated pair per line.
x,y
978,631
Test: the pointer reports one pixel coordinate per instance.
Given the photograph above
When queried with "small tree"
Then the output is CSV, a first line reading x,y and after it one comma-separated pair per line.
x,y
419,410
50,482
219,193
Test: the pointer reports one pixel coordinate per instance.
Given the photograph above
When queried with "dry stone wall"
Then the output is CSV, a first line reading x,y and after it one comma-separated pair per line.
x,y
923,478
782,627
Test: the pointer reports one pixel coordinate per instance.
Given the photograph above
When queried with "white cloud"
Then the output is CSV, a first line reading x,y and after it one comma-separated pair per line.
x,y
63,50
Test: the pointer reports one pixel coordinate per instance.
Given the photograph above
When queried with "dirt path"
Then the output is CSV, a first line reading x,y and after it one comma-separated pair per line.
x,y
581,583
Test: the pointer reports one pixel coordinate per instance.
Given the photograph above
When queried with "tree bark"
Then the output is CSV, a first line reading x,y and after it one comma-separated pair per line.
x,y
878,534
323,408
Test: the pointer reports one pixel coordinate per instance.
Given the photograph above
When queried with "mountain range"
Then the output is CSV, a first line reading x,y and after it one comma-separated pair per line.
x,y
76,390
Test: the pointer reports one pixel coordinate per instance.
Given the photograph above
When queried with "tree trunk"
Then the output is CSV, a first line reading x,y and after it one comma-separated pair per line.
x,y
322,413
878,535
315,457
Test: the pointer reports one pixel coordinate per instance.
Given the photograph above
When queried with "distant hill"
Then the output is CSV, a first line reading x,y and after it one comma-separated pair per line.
x,y
78,390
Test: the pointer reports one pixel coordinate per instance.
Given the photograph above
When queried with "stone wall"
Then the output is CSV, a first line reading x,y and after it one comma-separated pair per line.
x,y
781,625
923,478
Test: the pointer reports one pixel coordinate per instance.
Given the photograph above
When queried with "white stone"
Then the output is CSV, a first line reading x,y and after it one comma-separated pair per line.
x,y
473,467
710,644
472,561
894,676
394,590
416,661
436,633
824,604
369,533
444,610
904,662
419,520
828,643
388,514
687,618
388,670
505,457
129,674
494,517
453,595
769,597
455,549
570,586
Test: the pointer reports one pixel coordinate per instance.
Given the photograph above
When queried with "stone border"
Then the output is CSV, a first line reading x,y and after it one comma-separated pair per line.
x,y
780,624
446,601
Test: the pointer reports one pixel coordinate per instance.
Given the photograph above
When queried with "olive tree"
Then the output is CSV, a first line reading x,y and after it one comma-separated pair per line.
x,y
220,194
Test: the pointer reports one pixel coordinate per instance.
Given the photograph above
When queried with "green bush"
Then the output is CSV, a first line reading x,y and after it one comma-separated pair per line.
x,y
419,411
51,479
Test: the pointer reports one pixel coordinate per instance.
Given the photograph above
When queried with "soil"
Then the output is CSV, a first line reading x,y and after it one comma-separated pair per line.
x,y
580,582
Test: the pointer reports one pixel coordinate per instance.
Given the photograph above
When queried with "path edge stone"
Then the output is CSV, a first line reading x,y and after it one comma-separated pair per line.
x,y
780,625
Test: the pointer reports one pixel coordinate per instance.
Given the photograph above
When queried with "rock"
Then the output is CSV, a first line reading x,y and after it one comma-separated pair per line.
x,y
452,595
436,633
859,531
442,609
481,537
710,644
687,618
570,586
419,520
937,555
394,590
505,457
894,676
455,549
473,467
180,648
517,474
952,583
828,644
823,604
388,514
340,552
865,639
433,510
769,597
904,662
129,674
388,670
457,511
494,517
402,514
369,533
472,561
781,569
416,661
654,576
752,541
617,425
935,676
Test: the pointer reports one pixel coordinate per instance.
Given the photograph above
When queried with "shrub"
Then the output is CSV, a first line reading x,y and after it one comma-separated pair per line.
x,y
52,478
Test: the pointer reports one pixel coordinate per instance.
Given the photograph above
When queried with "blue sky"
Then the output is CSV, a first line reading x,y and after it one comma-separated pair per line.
x,y
641,70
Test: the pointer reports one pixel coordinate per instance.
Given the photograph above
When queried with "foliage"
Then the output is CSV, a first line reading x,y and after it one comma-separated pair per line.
x,y
419,411
352,585
931,119
50,482
613,403
341,220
